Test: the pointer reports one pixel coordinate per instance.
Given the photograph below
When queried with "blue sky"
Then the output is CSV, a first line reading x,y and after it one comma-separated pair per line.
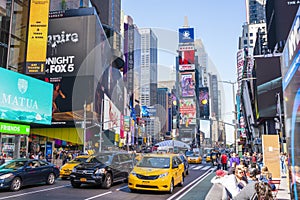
x,y
217,23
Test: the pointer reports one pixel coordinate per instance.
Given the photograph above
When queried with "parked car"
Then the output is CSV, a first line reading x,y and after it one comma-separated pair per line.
x,y
157,172
103,169
67,168
20,172
186,164
193,157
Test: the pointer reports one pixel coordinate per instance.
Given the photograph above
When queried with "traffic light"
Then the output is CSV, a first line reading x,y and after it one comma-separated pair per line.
x,y
204,102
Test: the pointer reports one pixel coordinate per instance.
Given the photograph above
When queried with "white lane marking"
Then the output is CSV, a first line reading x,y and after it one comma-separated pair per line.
x,y
121,188
99,195
198,167
37,191
205,168
198,180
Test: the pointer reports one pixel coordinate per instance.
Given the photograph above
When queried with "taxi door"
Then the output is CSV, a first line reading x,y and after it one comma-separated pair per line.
x,y
176,170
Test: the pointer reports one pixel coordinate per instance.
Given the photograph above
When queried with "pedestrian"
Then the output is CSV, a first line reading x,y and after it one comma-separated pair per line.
x,y
260,161
282,163
234,183
224,161
218,160
235,159
2,160
249,191
266,176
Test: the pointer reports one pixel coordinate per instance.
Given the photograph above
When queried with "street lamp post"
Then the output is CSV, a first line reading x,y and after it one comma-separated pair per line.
x,y
235,111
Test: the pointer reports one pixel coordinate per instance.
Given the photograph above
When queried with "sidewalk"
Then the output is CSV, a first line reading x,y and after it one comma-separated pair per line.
x,y
283,192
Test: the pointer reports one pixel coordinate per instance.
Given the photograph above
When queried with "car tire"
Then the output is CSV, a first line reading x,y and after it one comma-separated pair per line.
x,y
133,190
50,179
182,180
16,184
107,181
75,185
171,187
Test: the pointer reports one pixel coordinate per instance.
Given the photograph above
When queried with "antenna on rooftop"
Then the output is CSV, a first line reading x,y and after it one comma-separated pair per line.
x,y
186,22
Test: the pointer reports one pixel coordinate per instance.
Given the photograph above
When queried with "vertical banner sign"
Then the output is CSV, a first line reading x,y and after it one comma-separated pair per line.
x,y
37,37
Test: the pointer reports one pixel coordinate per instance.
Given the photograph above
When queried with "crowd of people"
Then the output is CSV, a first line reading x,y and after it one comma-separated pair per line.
x,y
245,177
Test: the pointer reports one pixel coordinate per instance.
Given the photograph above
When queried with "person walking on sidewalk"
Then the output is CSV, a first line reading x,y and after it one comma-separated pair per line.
x,y
224,161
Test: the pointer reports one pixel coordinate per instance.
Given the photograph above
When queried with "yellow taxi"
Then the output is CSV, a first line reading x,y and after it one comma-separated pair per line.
x,y
67,168
208,157
193,157
157,172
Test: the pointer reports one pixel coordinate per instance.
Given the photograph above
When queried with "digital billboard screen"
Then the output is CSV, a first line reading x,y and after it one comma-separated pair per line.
x,y
186,35
24,99
187,110
204,102
187,84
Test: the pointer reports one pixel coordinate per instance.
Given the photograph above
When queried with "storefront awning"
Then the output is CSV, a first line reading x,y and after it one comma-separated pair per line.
x,y
74,135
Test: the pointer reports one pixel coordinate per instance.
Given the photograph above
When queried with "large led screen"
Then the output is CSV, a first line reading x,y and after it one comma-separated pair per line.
x,y
187,84
186,35
24,99
187,109
112,116
187,60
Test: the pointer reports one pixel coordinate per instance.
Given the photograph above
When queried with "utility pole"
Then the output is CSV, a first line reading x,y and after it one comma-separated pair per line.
x,y
84,127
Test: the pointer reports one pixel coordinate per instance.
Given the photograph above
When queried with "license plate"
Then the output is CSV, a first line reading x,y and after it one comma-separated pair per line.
x,y
83,179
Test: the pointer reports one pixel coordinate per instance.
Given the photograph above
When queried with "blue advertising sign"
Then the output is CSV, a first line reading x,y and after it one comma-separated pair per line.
x,y
186,35
25,99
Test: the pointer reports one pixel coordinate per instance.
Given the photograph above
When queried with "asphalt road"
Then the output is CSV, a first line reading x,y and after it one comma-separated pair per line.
x,y
62,189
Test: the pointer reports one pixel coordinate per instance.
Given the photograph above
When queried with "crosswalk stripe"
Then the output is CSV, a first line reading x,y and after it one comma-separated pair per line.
x,y
205,168
198,167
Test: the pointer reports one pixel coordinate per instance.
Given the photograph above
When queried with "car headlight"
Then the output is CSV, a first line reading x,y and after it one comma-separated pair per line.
x,y
163,175
100,171
133,173
6,176
74,170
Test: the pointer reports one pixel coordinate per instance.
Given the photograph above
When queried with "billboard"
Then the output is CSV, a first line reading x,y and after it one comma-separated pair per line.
x,y
37,36
187,60
186,35
204,102
14,128
24,99
291,95
187,109
76,45
112,116
187,84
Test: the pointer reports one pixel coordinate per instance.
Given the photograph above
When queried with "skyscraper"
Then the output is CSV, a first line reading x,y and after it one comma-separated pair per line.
x,y
148,77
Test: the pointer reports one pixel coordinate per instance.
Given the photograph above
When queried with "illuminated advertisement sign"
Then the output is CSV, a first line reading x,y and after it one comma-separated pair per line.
x,y
187,109
64,109
70,47
25,99
112,115
291,95
14,128
187,84
204,102
37,36
186,35
187,60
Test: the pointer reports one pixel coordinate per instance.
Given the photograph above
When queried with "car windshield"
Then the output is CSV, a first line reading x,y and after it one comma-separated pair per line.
x,y
76,160
102,158
155,162
14,164
189,153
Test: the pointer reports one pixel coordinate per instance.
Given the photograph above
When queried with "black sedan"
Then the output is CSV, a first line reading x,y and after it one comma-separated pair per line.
x,y
20,172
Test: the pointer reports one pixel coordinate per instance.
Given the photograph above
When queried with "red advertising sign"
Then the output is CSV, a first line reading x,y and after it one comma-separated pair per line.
x,y
187,111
